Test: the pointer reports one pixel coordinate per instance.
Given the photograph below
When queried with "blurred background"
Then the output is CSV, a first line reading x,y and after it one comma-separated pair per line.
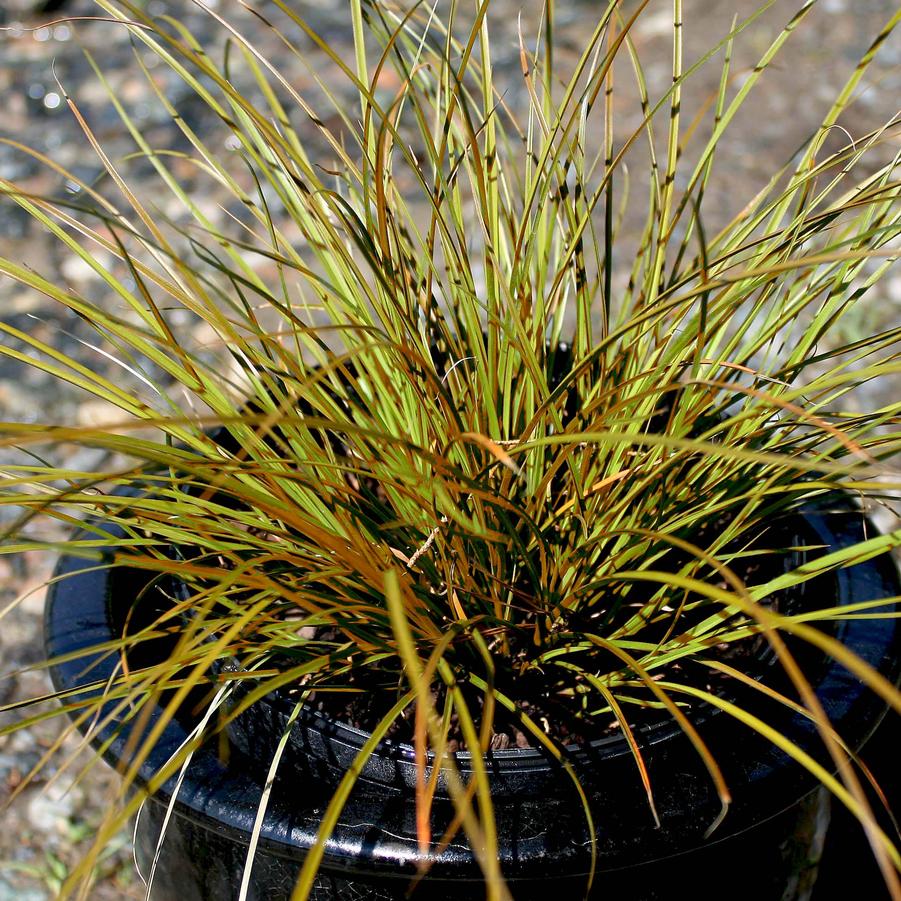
x,y
43,61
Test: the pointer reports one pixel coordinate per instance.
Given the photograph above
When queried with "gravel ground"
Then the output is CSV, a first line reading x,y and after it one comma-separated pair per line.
x,y
48,824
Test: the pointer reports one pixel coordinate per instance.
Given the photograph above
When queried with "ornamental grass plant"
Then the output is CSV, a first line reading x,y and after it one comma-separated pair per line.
x,y
461,464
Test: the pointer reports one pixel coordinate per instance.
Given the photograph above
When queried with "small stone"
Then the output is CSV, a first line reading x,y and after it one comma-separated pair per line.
x,y
656,25
50,810
32,602
75,269
893,288
100,414
24,301
10,892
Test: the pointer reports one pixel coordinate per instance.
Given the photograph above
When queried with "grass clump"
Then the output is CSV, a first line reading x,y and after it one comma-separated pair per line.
x,y
468,451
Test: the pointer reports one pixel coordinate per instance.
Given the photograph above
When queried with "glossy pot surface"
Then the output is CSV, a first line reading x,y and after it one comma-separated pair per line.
x,y
541,824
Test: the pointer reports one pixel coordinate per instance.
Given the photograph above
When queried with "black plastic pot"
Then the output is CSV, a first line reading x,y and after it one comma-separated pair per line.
x,y
544,844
